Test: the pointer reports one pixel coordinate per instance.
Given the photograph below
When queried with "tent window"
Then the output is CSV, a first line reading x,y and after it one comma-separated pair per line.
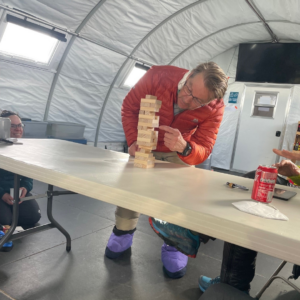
x,y
27,44
135,75
264,105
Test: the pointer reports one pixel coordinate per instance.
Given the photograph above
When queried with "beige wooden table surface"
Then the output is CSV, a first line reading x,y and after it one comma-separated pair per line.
x,y
194,198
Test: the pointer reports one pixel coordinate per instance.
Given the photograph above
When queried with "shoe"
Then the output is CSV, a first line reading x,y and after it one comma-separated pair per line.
x,y
180,238
118,244
7,246
174,262
205,282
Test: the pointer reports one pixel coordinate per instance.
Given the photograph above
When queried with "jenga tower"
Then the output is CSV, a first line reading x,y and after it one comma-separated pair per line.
x,y
147,137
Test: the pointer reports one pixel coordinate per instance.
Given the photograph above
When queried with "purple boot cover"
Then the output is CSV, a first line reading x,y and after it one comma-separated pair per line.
x,y
174,261
117,244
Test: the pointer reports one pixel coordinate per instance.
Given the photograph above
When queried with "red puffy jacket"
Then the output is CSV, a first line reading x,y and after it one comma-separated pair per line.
x,y
199,127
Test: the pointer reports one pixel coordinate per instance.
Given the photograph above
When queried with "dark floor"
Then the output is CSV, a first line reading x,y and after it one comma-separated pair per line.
x,y
38,267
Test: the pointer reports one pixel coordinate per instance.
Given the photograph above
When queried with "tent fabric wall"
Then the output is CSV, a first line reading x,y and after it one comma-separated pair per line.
x,y
181,33
24,89
66,13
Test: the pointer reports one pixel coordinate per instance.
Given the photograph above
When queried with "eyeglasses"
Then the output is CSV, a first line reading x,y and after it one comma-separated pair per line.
x,y
187,90
15,126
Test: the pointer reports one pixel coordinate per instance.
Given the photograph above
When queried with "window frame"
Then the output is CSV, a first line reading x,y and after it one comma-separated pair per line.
x,y
271,106
55,56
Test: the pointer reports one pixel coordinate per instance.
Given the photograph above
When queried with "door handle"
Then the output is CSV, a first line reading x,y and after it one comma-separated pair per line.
x,y
278,133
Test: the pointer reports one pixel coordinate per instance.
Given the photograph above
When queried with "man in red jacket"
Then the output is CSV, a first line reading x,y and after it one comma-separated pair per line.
x,y
190,116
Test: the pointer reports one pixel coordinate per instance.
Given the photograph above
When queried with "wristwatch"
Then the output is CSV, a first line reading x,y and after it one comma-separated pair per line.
x,y
187,150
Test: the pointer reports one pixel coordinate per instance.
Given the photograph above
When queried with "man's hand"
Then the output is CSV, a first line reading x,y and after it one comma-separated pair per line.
x,y
133,148
173,139
287,154
287,168
24,192
7,198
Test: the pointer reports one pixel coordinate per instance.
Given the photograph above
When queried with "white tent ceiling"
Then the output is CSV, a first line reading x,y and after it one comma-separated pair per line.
x,y
85,85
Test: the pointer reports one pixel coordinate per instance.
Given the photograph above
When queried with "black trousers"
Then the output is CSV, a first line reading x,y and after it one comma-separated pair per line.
x,y
238,265
29,213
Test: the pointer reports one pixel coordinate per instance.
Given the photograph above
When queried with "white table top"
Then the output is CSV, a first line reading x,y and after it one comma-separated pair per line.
x,y
193,198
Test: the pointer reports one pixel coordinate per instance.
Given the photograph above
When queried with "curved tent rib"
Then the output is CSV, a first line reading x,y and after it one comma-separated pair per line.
x,y
260,16
224,29
132,52
208,36
69,46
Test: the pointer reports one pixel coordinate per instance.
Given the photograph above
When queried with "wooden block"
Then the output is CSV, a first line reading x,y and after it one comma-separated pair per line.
x,y
144,151
147,147
142,120
146,144
151,117
143,154
141,112
149,113
145,162
144,128
143,166
147,140
146,124
151,101
150,160
145,105
150,97
147,134
153,109
154,105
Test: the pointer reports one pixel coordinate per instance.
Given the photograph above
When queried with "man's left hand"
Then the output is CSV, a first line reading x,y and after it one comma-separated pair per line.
x,y
173,139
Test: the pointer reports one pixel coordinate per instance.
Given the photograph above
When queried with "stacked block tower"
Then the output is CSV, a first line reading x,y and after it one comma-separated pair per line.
x,y
147,136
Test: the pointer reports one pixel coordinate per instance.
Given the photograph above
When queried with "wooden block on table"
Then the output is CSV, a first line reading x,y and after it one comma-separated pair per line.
x,y
150,97
143,166
144,162
150,160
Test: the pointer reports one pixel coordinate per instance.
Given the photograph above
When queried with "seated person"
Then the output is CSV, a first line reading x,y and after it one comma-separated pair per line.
x,y
238,265
29,211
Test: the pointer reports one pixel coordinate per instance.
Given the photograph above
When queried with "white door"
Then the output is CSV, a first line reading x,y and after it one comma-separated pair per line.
x,y
261,123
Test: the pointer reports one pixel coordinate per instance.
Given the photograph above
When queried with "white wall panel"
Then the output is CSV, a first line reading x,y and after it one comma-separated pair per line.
x,y
191,26
286,31
122,24
111,127
216,44
279,10
222,151
79,102
89,62
24,90
292,120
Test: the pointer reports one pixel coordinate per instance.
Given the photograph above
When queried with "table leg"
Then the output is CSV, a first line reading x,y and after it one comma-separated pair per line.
x,y
15,215
53,221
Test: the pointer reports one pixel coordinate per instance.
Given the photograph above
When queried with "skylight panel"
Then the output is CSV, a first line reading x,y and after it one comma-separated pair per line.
x,y
135,75
27,44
